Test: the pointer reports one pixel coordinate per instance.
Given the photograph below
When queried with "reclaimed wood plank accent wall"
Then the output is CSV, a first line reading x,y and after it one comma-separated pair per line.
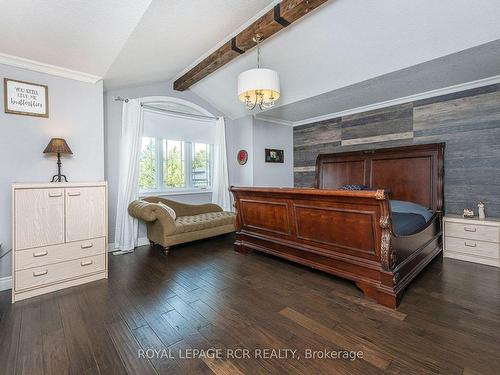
x,y
468,121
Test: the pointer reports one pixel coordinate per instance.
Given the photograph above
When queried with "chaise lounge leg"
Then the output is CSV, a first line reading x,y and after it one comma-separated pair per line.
x,y
151,243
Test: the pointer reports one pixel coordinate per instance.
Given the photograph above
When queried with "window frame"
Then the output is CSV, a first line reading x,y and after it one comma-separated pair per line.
x,y
187,148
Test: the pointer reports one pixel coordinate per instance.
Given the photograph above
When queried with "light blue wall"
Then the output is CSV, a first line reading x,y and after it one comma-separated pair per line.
x,y
76,114
239,136
272,135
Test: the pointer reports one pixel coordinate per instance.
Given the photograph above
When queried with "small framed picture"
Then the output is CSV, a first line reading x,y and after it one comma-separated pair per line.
x,y
275,156
25,98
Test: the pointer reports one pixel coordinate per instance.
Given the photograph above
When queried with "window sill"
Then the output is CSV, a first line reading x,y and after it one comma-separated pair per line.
x,y
175,192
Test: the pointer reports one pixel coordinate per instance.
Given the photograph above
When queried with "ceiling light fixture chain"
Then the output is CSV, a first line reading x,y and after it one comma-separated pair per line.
x,y
257,39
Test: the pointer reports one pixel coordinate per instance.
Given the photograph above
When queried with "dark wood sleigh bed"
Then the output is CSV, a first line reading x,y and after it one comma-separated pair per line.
x,y
350,233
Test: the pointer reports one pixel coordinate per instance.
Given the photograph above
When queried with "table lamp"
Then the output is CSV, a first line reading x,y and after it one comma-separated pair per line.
x,y
58,146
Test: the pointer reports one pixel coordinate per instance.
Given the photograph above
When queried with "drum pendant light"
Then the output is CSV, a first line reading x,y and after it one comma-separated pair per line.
x,y
260,86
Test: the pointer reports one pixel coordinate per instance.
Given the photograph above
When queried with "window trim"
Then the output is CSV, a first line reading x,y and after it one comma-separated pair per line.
x,y
211,154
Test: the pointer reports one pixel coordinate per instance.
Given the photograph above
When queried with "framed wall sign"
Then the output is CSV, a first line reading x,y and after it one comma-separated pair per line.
x,y
25,98
275,156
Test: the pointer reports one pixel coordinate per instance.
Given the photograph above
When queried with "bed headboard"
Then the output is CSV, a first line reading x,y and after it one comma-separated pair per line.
x,y
412,173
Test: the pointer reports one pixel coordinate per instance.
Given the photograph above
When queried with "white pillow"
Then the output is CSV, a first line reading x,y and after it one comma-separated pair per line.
x,y
170,210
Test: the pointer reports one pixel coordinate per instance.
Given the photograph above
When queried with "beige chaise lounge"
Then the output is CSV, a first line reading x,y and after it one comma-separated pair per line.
x,y
186,223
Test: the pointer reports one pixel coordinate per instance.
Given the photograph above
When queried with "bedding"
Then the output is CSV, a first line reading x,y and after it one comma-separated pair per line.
x,y
353,187
408,217
410,208
404,224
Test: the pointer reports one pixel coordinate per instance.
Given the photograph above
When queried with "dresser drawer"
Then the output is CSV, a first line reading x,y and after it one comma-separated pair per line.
x,y
472,231
472,247
42,256
54,273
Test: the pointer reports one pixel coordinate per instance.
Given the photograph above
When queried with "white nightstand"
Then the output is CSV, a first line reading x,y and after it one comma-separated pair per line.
x,y
473,240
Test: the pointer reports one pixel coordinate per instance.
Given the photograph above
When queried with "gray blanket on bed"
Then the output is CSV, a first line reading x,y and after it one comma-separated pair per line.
x,y
407,223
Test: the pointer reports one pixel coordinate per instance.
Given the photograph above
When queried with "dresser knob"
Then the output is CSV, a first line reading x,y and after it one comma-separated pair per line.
x,y
87,245
74,194
40,254
469,244
40,273
87,263
55,195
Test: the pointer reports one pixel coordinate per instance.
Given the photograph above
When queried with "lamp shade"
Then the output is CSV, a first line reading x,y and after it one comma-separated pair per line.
x,y
57,146
263,81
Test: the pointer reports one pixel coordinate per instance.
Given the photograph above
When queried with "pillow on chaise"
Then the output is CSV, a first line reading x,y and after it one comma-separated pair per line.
x,y
170,210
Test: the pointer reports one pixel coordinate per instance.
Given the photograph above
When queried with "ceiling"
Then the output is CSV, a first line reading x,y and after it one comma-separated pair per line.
x,y
80,35
128,42
345,54
470,65
173,34
347,42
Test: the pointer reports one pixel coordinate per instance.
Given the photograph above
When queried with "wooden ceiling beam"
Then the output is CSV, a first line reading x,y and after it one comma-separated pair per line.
x,y
282,15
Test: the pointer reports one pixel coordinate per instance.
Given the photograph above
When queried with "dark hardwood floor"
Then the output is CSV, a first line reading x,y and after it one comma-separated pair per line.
x,y
204,295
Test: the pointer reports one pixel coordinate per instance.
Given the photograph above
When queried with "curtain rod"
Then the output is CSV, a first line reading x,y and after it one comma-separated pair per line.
x,y
185,114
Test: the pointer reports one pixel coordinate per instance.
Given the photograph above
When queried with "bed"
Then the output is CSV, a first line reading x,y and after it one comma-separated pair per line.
x,y
361,235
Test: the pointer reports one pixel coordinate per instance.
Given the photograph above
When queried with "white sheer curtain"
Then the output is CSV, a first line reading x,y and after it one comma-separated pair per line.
x,y
220,194
128,188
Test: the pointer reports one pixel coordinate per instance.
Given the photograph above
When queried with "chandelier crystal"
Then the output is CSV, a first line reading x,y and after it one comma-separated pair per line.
x,y
260,86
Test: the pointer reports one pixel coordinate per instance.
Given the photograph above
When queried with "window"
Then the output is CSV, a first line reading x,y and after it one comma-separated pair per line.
x,y
173,161
171,165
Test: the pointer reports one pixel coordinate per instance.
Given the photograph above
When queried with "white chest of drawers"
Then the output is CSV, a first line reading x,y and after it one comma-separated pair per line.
x,y
472,239
59,236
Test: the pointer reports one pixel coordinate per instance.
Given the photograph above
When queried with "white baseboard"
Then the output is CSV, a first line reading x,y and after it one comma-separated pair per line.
x,y
5,283
141,241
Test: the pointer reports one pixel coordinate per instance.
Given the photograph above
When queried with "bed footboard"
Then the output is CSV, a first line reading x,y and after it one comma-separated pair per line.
x,y
344,233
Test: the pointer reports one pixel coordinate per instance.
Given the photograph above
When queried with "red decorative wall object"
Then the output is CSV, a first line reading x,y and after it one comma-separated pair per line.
x,y
242,157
